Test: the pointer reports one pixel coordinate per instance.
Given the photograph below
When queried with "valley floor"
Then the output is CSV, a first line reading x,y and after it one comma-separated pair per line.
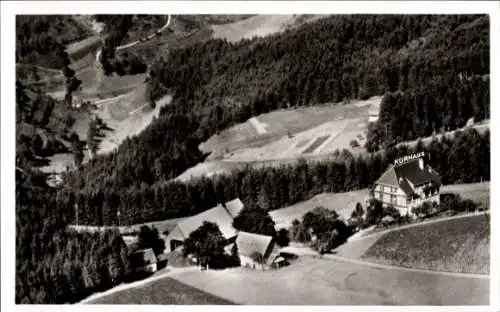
x,y
345,278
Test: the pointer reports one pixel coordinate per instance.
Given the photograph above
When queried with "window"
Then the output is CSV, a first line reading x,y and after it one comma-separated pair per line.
x,y
393,199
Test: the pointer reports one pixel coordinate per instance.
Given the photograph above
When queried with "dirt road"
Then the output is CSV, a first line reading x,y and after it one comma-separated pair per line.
x,y
314,281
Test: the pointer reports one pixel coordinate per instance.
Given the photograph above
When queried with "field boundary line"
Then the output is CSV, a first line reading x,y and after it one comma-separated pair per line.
x,y
170,273
400,268
259,127
421,223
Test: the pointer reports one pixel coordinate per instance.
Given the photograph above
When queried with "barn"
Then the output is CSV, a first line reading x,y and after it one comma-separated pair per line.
x,y
255,251
222,215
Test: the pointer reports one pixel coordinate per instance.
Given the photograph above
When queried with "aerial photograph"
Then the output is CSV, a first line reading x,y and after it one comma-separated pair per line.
x,y
252,159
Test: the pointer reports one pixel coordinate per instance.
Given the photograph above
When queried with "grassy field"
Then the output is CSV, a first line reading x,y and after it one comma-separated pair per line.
x,y
315,281
259,26
163,291
342,123
342,203
459,245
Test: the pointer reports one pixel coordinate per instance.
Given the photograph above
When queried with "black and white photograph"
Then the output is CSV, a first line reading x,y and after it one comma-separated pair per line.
x,y
219,158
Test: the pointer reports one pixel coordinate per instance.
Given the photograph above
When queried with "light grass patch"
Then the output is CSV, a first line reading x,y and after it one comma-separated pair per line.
x,y
163,291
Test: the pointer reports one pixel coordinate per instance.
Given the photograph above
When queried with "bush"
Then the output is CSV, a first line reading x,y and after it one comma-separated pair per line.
x,y
150,238
328,228
282,238
358,212
299,233
454,202
374,212
393,212
254,219
206,244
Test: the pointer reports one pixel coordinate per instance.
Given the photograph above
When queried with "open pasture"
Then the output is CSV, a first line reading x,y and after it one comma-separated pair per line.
x,y
288,133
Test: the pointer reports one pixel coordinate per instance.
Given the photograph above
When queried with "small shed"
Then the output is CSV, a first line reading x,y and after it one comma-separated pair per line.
x,y
162,261
143,261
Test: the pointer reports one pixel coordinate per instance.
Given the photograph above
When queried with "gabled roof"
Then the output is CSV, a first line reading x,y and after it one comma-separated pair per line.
x,y
403,176
219,214
389,177
248,243
234,207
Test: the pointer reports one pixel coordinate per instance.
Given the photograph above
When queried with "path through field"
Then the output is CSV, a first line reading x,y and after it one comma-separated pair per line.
x,y
315,281
259,127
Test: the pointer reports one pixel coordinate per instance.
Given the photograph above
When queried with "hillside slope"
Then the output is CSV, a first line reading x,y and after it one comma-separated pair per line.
x,y
260,26
217,84
460,245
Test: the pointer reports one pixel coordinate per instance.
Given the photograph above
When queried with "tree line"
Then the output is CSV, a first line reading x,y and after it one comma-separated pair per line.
x,y
39,36
464,158
116,29
56,265
441,106
217,84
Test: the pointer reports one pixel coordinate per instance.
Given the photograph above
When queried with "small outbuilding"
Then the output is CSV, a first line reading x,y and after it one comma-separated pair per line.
x,y
143,261
254,250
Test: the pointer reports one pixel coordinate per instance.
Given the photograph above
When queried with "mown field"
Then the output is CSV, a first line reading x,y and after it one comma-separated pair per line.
x,y
163,291
344,203
259,26
342,123
314,281
460,245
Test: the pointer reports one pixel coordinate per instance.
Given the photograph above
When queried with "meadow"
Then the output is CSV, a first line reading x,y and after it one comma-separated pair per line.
x,y
459,245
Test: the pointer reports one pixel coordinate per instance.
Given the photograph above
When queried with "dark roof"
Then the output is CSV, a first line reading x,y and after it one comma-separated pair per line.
x,y
412,171
142,257
162,257
404,175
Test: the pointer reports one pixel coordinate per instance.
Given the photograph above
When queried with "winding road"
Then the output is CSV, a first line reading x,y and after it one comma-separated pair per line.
x,y
133,43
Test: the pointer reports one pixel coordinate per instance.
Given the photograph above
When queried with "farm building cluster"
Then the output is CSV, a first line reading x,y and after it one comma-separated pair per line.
x,y
255,251
405,185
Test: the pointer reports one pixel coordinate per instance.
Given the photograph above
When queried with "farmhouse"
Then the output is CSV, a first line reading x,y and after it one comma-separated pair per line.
x,y
255,251
222,215
408,184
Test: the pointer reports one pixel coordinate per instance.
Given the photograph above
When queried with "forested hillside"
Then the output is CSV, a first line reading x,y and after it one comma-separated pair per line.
x,y
463,159
54,265
38,37
43,127
434,69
